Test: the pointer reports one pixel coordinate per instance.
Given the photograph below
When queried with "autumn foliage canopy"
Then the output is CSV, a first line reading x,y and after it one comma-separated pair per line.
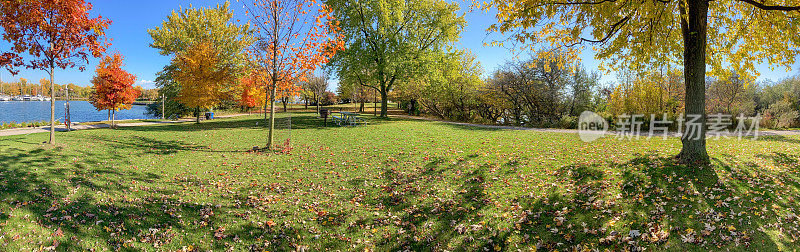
x,y
204,80
253,92
32,25
113,86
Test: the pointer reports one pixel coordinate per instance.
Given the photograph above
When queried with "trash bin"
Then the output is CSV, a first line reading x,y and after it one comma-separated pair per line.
x,y
209,115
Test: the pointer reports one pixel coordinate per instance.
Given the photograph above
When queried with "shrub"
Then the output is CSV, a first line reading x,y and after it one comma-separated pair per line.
x,y
781,115
568,122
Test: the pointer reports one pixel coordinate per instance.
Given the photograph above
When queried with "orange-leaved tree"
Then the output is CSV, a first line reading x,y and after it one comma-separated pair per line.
x,y
253,92
113,86
55,33
286,92
293,38
204,80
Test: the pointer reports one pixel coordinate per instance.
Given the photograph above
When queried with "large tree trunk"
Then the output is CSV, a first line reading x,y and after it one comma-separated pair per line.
x,y
694,28
384,102
52,103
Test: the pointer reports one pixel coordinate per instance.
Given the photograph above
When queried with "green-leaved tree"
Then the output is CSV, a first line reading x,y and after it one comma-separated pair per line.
x,y
388,41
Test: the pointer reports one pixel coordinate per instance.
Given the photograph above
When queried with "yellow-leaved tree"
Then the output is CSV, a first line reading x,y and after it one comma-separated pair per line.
x,y
723,36
203,79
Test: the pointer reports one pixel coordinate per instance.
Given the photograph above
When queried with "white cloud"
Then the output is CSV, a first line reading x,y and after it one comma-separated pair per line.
x,y
146,83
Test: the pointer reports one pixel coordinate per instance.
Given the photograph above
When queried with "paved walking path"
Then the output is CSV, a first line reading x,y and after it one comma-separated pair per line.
x,y
63,128
763,132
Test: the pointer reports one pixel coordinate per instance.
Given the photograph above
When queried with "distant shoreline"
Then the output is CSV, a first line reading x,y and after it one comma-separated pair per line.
x,y
19,112
137,103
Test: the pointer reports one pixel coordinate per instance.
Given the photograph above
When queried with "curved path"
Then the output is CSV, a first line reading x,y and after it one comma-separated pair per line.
x,y
63,128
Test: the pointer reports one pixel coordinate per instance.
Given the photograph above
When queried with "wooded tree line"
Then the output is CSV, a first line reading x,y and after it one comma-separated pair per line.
x,y
25,87
661,92
531,92
542,92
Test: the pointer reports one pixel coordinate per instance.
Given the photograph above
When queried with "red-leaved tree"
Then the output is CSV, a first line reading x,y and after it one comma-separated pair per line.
x,y
54,33
113,86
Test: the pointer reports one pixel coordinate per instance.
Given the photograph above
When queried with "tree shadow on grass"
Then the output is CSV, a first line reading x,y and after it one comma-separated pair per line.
x,y
38,192
155,146
654,203
444,219
6,140
778,138
465,126
660,203
647,202
781,158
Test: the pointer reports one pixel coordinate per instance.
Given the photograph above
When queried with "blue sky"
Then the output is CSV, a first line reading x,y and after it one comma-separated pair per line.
x,y
131,19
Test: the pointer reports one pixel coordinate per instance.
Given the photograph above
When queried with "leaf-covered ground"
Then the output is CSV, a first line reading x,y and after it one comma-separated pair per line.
x,y
391,185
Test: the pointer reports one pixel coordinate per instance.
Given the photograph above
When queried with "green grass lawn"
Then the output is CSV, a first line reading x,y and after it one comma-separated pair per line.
x,y
391,185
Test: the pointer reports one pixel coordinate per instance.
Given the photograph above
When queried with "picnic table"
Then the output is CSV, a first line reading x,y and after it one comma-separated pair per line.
x,y
348,118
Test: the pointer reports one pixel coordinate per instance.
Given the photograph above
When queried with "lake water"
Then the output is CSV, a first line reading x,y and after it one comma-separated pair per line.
x,y
82,111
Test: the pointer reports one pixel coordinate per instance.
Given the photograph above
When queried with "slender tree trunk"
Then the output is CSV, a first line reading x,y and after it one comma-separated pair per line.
x,y
197,112
52,103
275,48
114,119
163,108
266,103
272,112
694,28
